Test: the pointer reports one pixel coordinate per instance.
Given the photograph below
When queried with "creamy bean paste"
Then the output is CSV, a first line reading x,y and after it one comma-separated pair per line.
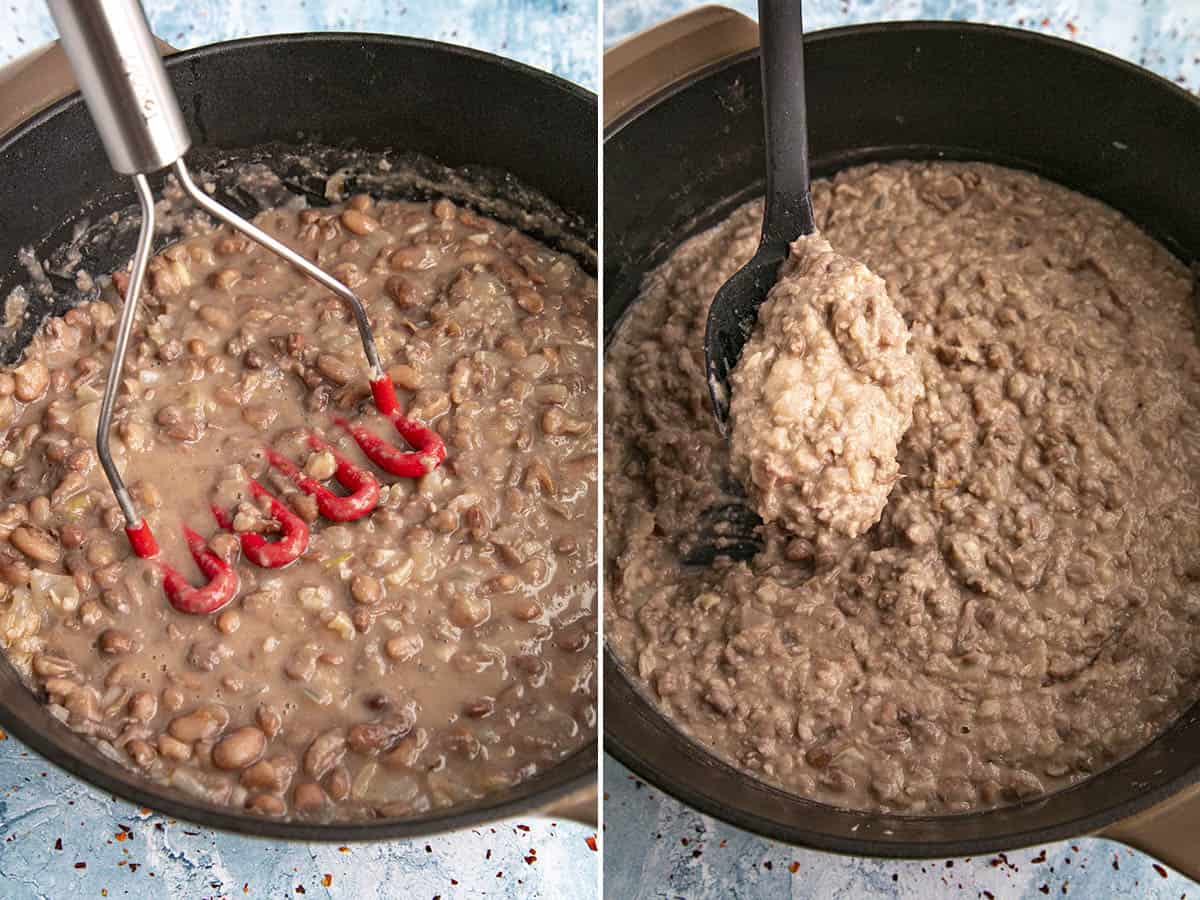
x,y
422,657
822,395
1027,610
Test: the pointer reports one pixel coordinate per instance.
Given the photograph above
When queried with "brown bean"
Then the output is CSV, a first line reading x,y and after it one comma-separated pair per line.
x,y
260,776
266,805
530,301
403,647
470,610
140,752
228,621
308,797
338,784
170,748
406,377
335,368
204,723
366,590
36,543
325,752
268,720
216,317
143,706
47,666
401,290
115,642
358,222
239,748
377,737
31,380
444,521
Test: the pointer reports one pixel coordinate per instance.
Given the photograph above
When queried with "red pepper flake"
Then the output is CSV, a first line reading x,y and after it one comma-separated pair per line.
x,y
500,874
453,882
1160,870
591,842
133,867
768,865
531,859
522,827
683,841
81,865
794,868
989,895
58,843
327,880
3,735
428,849
1072,28
246,887
488,855
300,889
122,862
722,844
120,835
1045,889
343,849
1117,862
1040,858
1045,22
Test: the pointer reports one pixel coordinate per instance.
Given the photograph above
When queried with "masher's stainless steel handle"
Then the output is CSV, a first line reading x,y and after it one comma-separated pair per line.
x,y
123,81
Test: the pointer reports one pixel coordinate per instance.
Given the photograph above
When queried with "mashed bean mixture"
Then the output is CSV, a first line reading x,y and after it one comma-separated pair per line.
x,y
822,395
1027,610
424,656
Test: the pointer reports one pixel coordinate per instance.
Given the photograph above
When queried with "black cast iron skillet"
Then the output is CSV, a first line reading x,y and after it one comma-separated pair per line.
x,y
679,160
489,130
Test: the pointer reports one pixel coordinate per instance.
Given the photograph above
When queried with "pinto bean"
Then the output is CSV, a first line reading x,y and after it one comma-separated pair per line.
x,y
240,748
32,378
325,752
204,723
36,543
308,797
359,222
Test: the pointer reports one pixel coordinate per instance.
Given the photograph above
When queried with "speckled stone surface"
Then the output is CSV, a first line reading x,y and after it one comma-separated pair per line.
x,y
556,35
58,837
657,848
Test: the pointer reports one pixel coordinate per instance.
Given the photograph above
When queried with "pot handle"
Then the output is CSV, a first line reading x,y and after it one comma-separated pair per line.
x,y
1169,831
577,806
41,77
642,65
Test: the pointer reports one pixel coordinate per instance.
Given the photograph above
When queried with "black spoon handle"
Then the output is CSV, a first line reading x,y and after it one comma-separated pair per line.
x,y
789,211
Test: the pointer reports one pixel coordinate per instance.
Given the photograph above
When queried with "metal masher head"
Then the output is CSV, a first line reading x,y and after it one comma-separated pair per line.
x,y
125,86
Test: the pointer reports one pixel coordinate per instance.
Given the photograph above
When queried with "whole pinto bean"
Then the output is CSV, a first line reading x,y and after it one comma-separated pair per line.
x,y
325,752
239,749
36,543
201,724
378,737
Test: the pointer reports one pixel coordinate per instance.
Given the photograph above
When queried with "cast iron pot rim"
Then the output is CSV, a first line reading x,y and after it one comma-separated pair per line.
x,y
135,789
926,26
798,834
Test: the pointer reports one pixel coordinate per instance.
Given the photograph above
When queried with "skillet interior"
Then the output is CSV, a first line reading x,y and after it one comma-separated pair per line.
x,y
474,126
683,160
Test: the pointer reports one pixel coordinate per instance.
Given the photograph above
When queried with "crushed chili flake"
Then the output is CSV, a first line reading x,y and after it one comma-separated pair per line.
x,y
133,867
1040,858
591,842
300,889
794,868
768,865
246,887
1160,870
530,860
120,835
1071,27
58,843
453,882
488,855
522,827
3,735
327,880
81,865
343,849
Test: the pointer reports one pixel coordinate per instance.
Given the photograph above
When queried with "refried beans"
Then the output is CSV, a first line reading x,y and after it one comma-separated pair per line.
x,y
1027,610
822,395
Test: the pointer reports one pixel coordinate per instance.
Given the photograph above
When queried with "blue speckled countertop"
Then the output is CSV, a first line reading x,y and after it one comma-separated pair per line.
x,y
657,848
59,837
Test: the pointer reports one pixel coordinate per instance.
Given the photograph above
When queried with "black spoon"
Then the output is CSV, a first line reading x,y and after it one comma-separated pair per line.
x,y
730,529
788,213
